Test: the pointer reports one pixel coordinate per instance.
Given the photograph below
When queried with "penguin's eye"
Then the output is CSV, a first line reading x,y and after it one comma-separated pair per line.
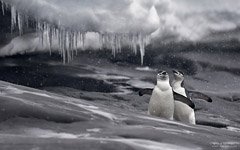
x,y
181,73
160,73
164,73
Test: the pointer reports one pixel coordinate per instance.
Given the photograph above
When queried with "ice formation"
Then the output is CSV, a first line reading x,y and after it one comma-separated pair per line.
x,y
116,27
63,25
3,9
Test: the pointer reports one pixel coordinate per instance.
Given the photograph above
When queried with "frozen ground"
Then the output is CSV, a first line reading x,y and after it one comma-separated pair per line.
x,y
96,105
34,119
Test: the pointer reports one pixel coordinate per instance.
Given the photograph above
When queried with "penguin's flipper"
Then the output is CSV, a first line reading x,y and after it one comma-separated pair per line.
x,y
181,98
198,95
145,91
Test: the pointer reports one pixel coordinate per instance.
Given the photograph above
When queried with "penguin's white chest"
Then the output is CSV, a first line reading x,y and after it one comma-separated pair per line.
x,y
183,112
180,90
162,103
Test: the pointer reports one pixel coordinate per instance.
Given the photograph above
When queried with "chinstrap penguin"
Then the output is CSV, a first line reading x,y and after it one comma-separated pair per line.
x,y
162,102
182,112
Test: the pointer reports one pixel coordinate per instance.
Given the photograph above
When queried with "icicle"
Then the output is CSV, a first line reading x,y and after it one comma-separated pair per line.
x,y
142,47
63,41
134,44
20,24
67,45
83,36
119,46
3,9
101,40
71,44
59,41
42,33
13,17
112,43
143,41
50,38
75,42
26,19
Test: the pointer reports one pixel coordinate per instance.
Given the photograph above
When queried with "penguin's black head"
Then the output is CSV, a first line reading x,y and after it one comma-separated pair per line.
x,y
162,75
178,75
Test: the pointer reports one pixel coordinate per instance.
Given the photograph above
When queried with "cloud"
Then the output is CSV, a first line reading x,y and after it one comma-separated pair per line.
x,y
194,20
